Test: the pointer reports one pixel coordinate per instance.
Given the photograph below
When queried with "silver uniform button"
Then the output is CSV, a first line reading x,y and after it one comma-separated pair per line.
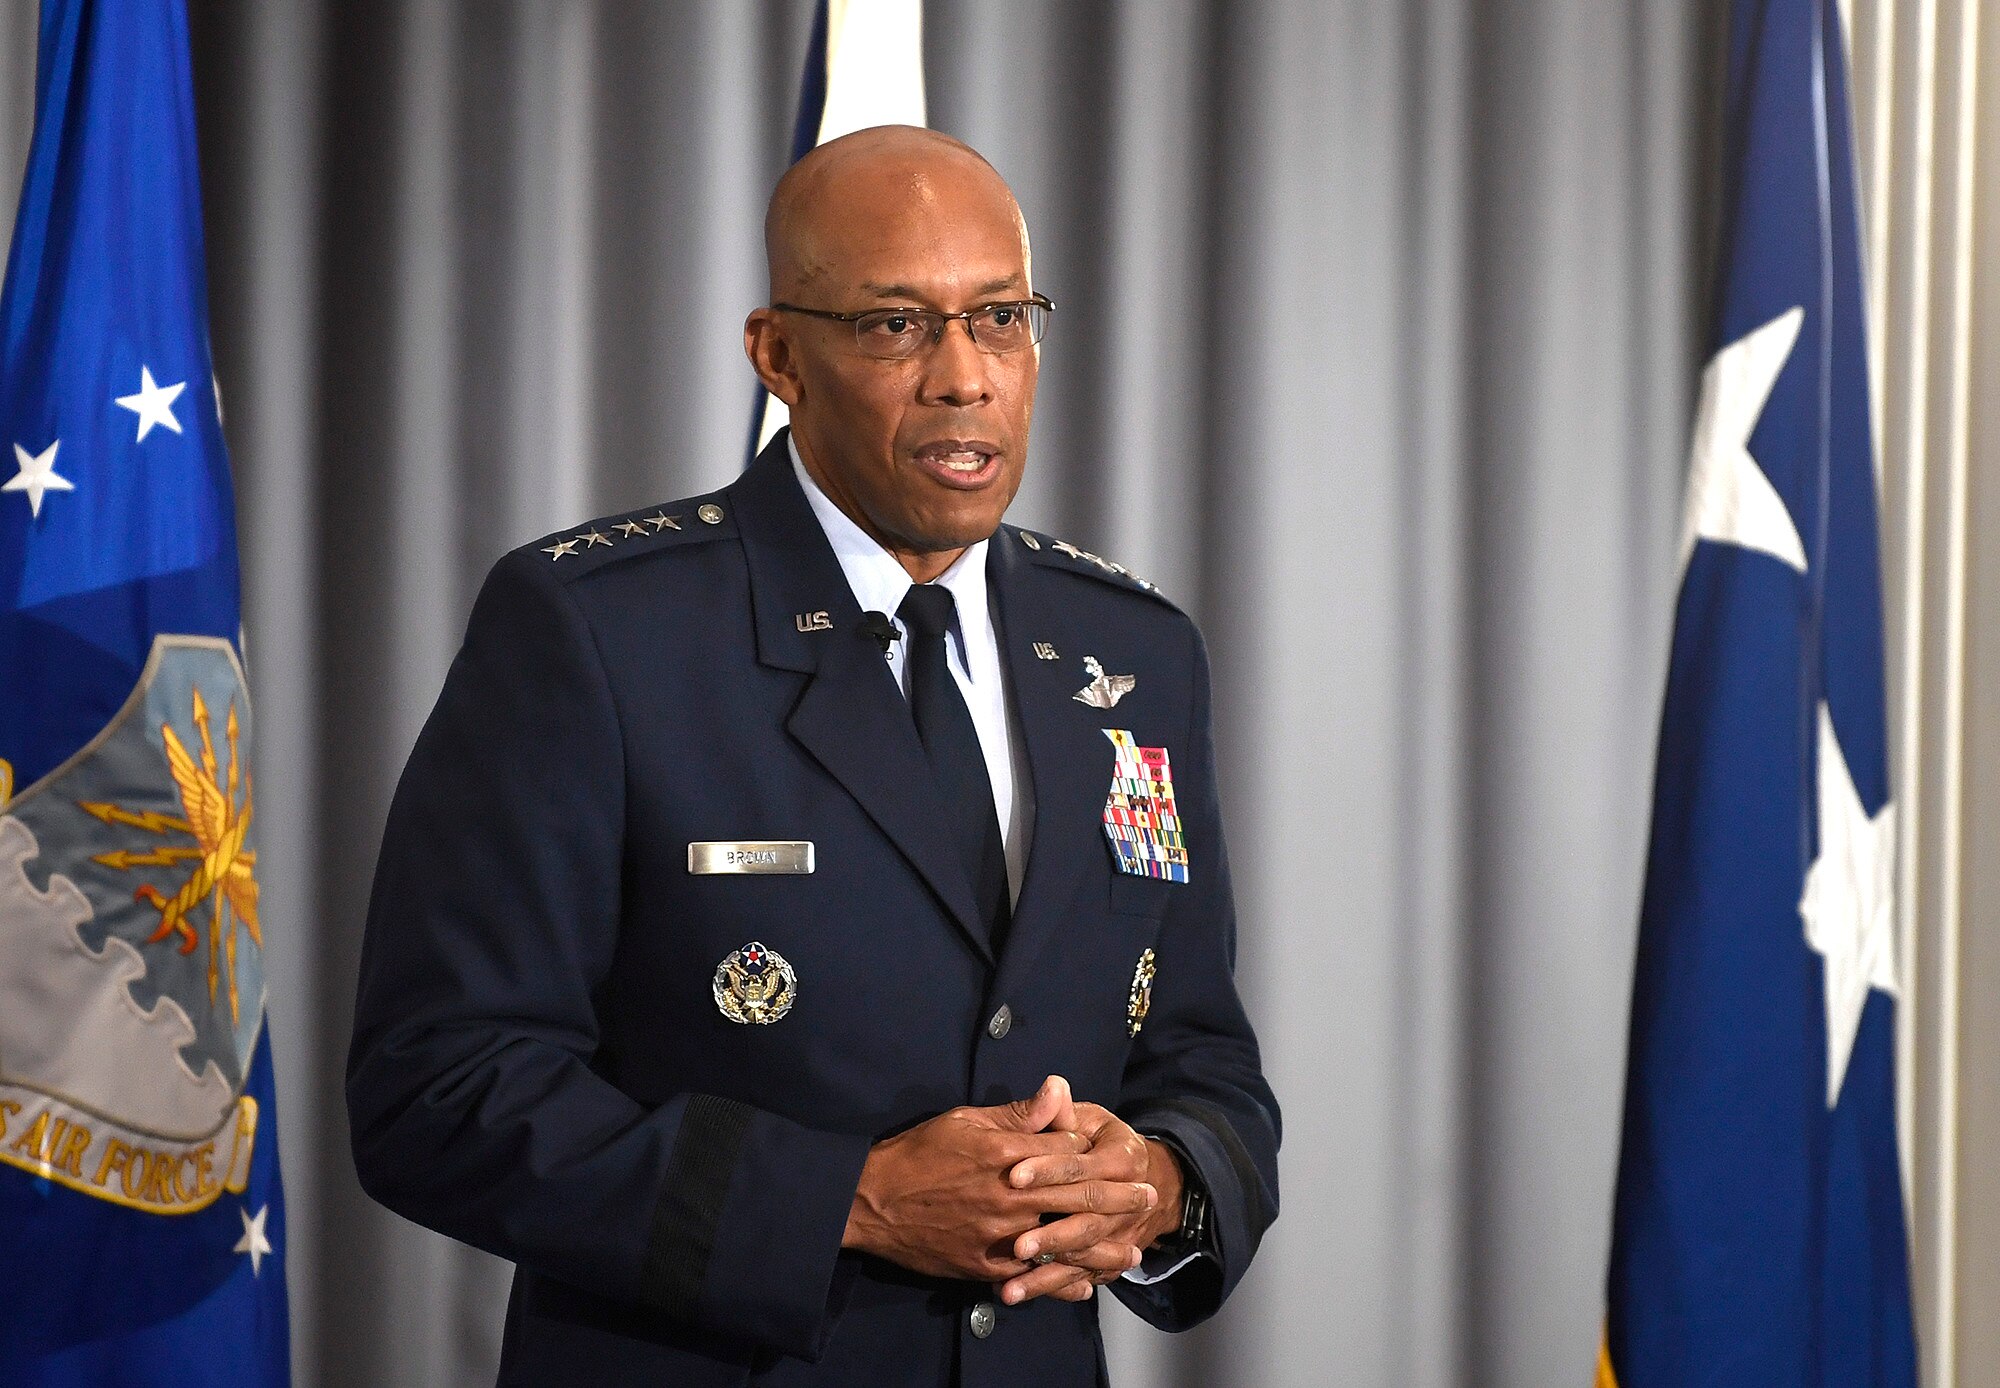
x,y
710,513
1002,1022
981,1320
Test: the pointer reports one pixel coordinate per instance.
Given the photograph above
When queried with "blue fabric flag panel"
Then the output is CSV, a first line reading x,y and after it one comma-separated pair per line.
x,y
139,1185
1759,1230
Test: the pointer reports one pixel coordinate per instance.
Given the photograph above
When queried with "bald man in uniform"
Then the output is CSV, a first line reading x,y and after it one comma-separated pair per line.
x,y
802,940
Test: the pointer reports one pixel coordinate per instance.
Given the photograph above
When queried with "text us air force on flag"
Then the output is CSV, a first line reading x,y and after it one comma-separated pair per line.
x,y
139,1186
1759,1229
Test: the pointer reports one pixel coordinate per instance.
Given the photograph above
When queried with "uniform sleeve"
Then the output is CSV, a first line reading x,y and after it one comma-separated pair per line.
x,y
1194,1072
473,1104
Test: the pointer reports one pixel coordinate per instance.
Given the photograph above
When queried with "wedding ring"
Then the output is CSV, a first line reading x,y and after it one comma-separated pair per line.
x,y
1044,1259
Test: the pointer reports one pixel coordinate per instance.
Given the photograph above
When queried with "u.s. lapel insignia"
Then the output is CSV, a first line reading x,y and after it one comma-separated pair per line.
x,y
1103,691
755,986
1045,651
1140,1000
813,621
1140,816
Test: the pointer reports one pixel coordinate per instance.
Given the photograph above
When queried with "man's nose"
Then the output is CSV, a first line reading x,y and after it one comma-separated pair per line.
x,y
956,372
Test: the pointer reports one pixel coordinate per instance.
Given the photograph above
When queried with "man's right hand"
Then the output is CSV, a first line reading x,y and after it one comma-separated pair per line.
x,y
935,1198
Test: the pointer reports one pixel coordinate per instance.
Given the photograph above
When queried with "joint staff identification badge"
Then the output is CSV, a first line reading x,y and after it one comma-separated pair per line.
x,y
755,986
1140,817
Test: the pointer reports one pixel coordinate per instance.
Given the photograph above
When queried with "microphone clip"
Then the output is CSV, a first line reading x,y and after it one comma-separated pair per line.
x,y
882,628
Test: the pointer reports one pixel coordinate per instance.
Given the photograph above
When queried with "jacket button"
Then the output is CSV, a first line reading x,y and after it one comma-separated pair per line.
x,y
1001,1023
981,1320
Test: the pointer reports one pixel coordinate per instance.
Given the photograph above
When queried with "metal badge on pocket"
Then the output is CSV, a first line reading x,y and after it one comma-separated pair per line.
x,y
1139,1001
751,856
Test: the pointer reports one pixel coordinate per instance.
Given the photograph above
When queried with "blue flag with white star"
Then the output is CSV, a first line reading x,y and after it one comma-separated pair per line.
x,y
139,1185
1759,1229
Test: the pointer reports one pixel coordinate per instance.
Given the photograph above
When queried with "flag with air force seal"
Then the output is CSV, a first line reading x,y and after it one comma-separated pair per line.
x,y
1759,1230
139,1184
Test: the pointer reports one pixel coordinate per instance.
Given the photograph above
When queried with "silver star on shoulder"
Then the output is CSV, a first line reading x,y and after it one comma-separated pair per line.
x,y
1103,691
255,1241
559,548
1730,500
154,404
660,520
630,528
1073,552
1110,566
37,475
1849,902
594,537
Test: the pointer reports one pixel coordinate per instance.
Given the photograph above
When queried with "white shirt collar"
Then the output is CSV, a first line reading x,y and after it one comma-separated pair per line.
x,y
879,580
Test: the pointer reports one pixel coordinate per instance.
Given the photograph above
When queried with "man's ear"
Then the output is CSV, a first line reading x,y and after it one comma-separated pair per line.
x,y
771,356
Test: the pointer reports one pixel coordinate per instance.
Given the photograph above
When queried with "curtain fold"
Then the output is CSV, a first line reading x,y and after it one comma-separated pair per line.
x,y
1376,351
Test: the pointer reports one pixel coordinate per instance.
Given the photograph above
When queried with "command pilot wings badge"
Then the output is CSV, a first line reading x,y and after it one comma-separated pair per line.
x,y
1103,691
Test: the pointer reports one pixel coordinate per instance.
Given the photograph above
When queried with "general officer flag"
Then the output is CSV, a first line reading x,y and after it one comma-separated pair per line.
x,y
864,67
139,1189
1759,1232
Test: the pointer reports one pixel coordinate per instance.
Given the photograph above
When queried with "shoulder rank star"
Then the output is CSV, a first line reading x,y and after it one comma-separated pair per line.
x,y
1103,691
755,986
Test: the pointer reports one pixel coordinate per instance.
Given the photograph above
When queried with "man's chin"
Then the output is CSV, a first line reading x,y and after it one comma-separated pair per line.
x,y
956,538
950,531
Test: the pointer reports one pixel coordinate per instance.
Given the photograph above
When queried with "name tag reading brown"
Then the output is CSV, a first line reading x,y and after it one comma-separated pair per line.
x,y
752,856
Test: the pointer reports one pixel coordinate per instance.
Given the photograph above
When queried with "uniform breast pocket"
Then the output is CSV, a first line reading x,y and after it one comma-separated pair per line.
x,y
1135,895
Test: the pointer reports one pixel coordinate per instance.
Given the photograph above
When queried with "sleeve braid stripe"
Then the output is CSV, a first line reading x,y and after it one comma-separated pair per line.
x,y
691,1199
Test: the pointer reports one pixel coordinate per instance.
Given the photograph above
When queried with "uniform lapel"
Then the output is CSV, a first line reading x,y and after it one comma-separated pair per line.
x,y
851,717
1069,757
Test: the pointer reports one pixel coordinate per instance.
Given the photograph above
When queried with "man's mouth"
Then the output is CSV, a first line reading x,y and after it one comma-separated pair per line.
x,y
960,462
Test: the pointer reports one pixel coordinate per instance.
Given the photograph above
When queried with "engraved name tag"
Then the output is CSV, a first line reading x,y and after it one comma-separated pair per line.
x,y
752,855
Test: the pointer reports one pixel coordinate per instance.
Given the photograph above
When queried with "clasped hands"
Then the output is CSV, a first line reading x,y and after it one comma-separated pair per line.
x,y
966,1195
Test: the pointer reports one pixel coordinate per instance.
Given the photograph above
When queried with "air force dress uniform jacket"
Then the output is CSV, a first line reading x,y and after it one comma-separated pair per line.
x,y
540,1063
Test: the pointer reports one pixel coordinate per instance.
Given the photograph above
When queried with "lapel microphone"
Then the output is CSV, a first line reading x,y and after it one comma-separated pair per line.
x,y
879,626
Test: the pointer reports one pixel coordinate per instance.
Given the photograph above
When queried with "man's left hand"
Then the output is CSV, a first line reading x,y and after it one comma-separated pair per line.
x,y
1076,1244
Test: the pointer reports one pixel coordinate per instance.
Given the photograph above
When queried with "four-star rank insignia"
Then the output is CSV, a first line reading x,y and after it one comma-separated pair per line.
x,y
1140,1001
755,986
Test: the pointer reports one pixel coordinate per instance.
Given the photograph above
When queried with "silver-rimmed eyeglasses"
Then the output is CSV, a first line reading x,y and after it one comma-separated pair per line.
x,y
895,334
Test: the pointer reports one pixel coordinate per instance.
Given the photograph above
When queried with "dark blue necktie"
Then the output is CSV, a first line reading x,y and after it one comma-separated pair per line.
x,y
944,726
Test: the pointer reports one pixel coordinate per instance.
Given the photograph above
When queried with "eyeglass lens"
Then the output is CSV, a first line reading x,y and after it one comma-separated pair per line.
x,y
903,332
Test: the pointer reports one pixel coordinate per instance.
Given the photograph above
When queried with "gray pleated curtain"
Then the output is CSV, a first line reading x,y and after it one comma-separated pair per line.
x,y
1376,348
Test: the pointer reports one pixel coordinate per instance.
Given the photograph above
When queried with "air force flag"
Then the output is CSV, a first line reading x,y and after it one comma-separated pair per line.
x,y
139,1187
1759,1233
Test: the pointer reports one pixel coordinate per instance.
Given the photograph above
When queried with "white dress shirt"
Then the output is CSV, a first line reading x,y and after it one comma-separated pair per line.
x,y
880,583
